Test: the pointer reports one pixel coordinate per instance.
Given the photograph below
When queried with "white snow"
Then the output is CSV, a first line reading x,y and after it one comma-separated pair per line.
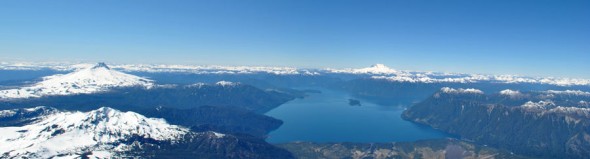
x,y
461,90
218,135
34,108
374,69
216,69
198,85
569,92
59,66
475,78
218,83
88,80
584,112
511,93
96,131
542,105
7,113
100,154
226,83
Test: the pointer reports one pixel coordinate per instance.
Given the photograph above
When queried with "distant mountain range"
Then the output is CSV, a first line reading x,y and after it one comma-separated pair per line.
x,y
377,71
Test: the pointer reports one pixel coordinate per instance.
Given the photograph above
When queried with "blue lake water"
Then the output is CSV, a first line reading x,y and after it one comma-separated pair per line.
x,y
327,117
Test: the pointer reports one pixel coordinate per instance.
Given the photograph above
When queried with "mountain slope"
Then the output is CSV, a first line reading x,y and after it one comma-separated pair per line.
x,y
440,148
89,80
218,119
549,124
99,131
108,133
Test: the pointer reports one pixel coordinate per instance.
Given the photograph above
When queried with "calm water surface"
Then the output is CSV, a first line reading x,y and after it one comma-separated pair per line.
x,y
327,117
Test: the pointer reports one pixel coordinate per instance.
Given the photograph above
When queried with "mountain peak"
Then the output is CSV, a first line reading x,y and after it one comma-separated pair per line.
x,y
376,69
101,65
104,112
379,66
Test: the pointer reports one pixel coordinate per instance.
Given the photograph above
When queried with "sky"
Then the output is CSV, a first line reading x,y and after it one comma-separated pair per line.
x,y
525,37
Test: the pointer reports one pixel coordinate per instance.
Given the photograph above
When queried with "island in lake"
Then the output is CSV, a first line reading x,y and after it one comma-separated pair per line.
x,y
354,102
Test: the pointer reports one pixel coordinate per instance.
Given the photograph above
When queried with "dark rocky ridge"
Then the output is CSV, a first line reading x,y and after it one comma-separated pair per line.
x,y
208,146
500,121
217,118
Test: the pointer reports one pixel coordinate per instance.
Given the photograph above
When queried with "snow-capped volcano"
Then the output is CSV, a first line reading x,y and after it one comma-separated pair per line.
x,y
89,80
100,132
374,69
377,69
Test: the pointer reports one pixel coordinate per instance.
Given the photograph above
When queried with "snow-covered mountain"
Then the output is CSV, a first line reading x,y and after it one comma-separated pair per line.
x,y
72,133
92,79
380,71
101,133
430,77
377,71
110,133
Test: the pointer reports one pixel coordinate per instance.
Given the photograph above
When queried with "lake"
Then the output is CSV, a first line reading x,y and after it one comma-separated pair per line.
x,y
328,117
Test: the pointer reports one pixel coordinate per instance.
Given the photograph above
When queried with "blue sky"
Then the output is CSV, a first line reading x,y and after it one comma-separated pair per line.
x,y
528,37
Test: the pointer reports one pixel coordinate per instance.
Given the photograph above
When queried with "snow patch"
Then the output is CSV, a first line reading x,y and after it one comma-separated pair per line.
x,y
541,105
569,92
226,83
509,92
461,90
197,85
218,135
573,115
7,113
